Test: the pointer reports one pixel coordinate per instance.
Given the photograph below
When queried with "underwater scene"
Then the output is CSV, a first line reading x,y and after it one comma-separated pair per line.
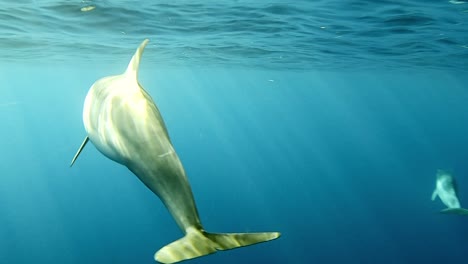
x,y
263,131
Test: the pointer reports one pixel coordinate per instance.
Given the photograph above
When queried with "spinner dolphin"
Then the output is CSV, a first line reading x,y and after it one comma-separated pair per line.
x,y
123,123
446,190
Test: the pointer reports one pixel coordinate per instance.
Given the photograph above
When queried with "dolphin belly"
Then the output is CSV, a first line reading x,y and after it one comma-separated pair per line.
x,y
126,126
449,199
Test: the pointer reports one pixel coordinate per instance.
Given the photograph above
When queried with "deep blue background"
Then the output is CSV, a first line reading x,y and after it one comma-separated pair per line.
x,y
324,120
343,164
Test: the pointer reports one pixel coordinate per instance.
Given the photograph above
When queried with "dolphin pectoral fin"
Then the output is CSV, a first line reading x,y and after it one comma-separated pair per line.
x,y
197,243
79,150
457,211
434,194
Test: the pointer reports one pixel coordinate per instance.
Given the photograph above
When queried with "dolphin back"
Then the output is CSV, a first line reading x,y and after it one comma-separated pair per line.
x,y
197,243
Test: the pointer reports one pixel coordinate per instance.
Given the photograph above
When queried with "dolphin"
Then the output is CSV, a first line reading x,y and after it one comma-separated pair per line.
x,y
123,123
446,189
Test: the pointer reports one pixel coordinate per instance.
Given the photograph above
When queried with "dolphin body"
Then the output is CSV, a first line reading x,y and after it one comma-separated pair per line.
x,y
125,125
446,189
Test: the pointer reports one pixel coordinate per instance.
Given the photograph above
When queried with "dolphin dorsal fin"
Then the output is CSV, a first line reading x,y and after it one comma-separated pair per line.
x,y
132,68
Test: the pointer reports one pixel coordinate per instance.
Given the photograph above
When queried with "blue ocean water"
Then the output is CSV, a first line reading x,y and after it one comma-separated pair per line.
x,y
324,120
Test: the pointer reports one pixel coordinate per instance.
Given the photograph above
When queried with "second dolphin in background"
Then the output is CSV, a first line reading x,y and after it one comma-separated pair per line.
x,y
446,189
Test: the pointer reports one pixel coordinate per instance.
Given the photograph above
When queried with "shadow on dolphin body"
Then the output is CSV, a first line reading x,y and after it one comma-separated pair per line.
x,y
125,125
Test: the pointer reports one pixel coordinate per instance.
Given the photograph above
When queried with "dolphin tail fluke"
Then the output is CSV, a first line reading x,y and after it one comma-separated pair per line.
x,y
132,68
197,243
457,211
